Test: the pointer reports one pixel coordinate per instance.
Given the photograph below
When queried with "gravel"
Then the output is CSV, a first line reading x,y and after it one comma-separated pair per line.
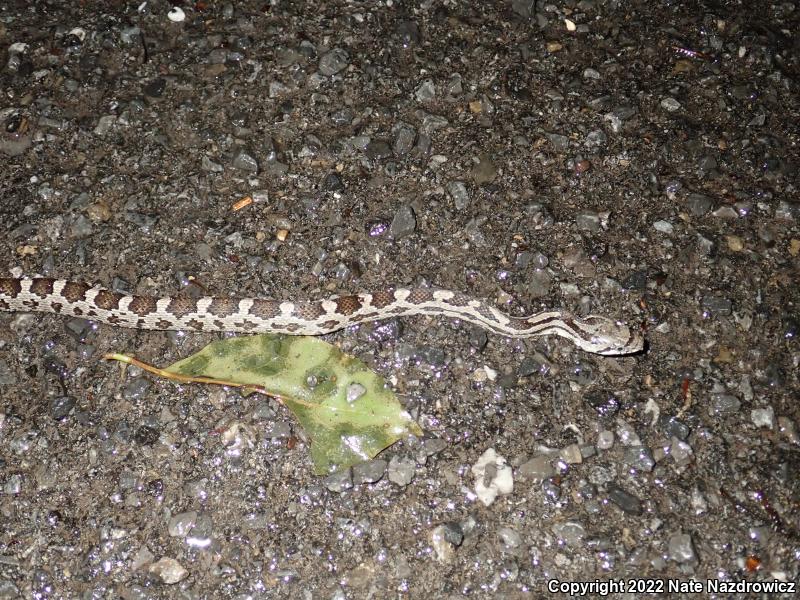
x,y
631,159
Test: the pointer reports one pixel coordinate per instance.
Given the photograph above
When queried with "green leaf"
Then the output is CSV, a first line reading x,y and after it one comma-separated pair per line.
x,y
345,409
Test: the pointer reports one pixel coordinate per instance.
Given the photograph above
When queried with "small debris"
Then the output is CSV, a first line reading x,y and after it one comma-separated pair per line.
x,y
493,477
240,204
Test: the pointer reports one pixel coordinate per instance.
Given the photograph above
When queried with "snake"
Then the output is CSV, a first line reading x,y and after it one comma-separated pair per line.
x,y
592,333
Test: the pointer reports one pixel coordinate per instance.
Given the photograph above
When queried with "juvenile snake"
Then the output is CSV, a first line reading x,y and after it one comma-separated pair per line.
x,y
307,317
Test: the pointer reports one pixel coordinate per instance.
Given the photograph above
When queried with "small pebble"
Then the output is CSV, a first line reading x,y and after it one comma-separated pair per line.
x,y
763,417
539,282
276,429
485,171
571,454
640,458
560,142
537,468
425,92
182,523
370,471
698,204
788,429
478,338
595,140
673,427
680,548
570,533
176,14
355,391
716,305
401,471
699,503
635,281
605,439
735,243
626,434
605,404
7,377
340,481
625,501
155,88
664,227
445,538
244,161
135,388
493,477
509,538
378,150
61,406
723,405
680,450
404,139
429,448
589,73
404,223
534,363
588,221
333,61
458,192
726,212
169,570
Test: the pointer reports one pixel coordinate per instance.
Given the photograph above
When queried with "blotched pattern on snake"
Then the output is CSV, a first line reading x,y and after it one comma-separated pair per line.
x,y
305,317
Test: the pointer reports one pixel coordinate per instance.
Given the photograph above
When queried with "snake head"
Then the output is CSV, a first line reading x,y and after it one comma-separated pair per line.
x,y
609,338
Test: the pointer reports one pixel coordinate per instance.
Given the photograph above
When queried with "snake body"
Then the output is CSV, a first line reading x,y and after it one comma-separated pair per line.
x,y
592,333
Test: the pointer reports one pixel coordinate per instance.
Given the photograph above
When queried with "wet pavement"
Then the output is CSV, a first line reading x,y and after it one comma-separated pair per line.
x,y
631,159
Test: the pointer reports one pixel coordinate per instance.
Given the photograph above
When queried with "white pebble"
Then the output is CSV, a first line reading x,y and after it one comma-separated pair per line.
x,y
663,227
670,104
763,417
176,14
605,439
169,570
79,33
501,483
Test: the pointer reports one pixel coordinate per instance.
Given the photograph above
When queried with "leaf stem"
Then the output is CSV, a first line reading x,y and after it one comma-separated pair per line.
x,y
130,360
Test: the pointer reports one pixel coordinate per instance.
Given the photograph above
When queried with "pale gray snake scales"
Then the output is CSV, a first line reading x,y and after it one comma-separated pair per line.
x,y
308,317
